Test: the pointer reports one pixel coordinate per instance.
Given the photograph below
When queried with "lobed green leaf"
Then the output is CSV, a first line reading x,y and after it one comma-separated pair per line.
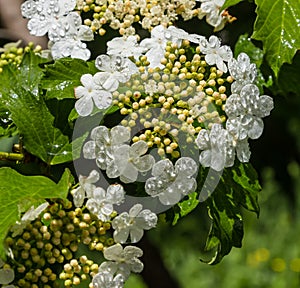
x,y
62,76
238,187
17,189
20,93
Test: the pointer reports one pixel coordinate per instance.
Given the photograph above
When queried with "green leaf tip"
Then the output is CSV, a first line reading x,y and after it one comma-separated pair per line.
x,y
277,26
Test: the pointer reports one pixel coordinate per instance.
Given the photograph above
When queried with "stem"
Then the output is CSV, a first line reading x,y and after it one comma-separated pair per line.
x,y
4,156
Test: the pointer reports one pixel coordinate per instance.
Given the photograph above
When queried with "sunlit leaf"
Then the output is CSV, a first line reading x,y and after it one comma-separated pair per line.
x,y
278,26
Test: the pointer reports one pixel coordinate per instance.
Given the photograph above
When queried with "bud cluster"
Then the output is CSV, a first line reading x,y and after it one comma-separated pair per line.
x,y
121,15
185,97
52,242
11,53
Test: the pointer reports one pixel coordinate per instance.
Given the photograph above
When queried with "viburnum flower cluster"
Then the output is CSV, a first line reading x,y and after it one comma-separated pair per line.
x,y
183,103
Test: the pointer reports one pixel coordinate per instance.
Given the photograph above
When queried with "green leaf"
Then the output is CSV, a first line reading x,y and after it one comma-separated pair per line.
x,y
277,26
62,76
29,111
245,181
184,207
227,225
70,151
244,44
238,187
229,3
17,189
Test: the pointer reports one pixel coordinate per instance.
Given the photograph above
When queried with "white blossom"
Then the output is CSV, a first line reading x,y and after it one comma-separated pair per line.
x,y
217,146
70,44
245,111
101,202
105,279
85,187
243,71
122,261
92,92
114,70
170,182
155,46
103,143
211,9
129,160
215,54
133,223
45,16
30,215
125,47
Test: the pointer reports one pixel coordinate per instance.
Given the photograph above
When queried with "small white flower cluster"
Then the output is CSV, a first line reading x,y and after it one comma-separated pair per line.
x,y
63,25
97,89
100,202
121,262
59,19
244,109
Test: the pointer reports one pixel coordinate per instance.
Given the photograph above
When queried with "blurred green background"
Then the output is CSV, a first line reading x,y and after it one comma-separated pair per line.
x,y
270,256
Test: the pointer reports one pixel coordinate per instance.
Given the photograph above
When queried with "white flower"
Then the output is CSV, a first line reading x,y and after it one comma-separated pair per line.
x,y
105,279
44,16
114,70
243,71
176,35
215,53
218,148
85,188
125,47
133,223
245,111
92,92
242,150
103,143
33,213
28,216
70,44
155,46
211,9
122,261
129,160
170,183
7,275
101,202
151,87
